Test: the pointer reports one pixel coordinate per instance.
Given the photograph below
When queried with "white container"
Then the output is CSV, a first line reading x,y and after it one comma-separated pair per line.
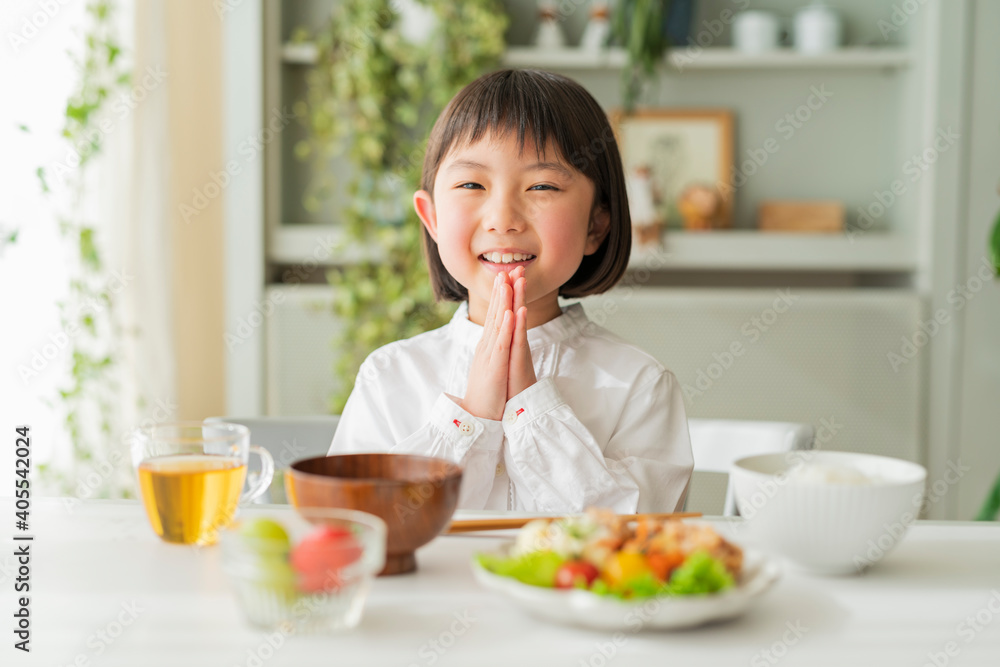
x,y
817,29
756,31
842,516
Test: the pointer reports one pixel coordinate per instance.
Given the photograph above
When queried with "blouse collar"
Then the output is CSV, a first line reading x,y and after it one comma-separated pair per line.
x,y
572,321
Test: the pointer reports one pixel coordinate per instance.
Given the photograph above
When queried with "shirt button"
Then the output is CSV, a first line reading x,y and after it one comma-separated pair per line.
x,y
500,469
466,429
511,417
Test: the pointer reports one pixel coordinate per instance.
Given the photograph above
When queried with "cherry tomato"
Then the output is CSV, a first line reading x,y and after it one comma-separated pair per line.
x,y
575,570
320,556
622,567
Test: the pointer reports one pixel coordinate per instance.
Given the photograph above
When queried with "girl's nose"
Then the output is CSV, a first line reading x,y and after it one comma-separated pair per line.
x,y
504,216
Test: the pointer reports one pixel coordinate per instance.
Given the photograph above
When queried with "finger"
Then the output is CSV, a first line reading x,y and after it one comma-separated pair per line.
x,y
505,298
516,273
519,301
500,359
502,306
491,309
520,353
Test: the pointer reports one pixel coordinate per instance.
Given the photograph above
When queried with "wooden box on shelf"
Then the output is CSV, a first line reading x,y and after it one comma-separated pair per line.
x,y
800,216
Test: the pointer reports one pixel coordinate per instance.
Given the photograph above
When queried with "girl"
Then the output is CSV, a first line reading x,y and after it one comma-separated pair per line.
x,y
523,201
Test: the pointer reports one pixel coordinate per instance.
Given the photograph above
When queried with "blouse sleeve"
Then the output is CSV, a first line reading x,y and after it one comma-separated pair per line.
x,y
448,431
557,466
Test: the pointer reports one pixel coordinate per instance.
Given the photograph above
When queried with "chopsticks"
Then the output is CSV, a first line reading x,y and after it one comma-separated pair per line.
x,y
472,525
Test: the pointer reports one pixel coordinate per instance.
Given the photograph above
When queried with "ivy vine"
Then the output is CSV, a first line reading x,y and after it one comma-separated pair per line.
x,y
90,403
373,97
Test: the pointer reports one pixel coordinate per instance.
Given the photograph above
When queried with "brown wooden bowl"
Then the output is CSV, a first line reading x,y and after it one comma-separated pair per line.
x,y
414,495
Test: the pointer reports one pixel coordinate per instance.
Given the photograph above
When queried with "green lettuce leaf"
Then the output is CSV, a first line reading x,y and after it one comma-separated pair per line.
x,y
536,569
700,574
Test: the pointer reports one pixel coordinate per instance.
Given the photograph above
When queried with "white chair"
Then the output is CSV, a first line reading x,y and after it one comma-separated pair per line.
x,y
717,443
287,440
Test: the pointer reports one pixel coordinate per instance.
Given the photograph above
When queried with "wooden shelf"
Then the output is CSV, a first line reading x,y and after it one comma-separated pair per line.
x,y
750,250
678,59
714,59
735,250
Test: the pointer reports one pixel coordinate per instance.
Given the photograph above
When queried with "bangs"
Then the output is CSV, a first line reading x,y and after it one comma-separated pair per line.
x,y
554,112
519,103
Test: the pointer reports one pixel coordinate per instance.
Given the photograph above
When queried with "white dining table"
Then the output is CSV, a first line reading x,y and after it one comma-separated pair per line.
x,y
104,590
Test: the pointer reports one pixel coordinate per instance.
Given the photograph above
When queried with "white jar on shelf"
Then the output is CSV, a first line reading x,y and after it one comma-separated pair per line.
x,y
550,35
598,28
756,31
818,29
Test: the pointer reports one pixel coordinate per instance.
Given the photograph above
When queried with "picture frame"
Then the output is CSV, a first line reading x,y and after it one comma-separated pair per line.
x,y
678,168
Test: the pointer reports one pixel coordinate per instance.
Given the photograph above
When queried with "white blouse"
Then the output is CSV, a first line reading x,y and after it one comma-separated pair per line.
x,y
604,425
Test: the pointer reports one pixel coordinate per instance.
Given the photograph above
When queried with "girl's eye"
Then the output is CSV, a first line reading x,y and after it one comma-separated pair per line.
x,y
544,186
470,186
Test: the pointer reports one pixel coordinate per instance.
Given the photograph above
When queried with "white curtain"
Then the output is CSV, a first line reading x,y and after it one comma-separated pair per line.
x,y
126,199
134,191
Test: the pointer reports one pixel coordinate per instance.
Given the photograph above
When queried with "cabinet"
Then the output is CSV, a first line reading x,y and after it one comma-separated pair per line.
x,y
887,142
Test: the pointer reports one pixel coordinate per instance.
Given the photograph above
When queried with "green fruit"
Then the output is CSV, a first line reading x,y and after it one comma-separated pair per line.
x,y
266,529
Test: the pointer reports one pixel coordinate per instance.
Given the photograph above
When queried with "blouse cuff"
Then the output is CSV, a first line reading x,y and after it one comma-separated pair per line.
x,y
462,428
535,401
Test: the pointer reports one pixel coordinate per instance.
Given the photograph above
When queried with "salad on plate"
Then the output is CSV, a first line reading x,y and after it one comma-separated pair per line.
x,y
609,555
608,572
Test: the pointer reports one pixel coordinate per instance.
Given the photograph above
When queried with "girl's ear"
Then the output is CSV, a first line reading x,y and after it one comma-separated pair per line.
x,y
600,225
424,205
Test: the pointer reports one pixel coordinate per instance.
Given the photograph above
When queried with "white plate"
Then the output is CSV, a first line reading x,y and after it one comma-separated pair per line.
x,y
583,608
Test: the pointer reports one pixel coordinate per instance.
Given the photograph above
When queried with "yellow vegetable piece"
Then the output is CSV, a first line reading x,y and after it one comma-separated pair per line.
x,y
624,566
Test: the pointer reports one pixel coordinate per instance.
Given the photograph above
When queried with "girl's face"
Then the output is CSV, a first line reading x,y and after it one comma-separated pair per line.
x,y
495,208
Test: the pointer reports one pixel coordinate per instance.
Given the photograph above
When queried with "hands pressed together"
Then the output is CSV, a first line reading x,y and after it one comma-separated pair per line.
x,y
501,367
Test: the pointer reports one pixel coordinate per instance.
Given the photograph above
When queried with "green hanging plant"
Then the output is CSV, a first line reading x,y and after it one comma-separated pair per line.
x,y
90,402
373,97
639,26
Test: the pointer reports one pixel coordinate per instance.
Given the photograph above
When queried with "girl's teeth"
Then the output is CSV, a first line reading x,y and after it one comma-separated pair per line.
x,y
505,258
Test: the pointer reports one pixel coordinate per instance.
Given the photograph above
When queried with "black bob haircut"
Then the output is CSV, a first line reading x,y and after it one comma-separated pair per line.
x,y
545,107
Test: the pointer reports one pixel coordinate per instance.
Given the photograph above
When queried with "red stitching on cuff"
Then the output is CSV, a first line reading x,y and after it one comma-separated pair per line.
x,y
519,411
457,423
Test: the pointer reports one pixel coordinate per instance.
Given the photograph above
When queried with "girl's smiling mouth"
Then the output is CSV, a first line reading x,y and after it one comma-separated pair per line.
x,y
505,261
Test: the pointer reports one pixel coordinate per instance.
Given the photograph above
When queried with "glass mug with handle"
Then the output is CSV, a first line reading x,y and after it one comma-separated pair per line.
x,y
191,475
